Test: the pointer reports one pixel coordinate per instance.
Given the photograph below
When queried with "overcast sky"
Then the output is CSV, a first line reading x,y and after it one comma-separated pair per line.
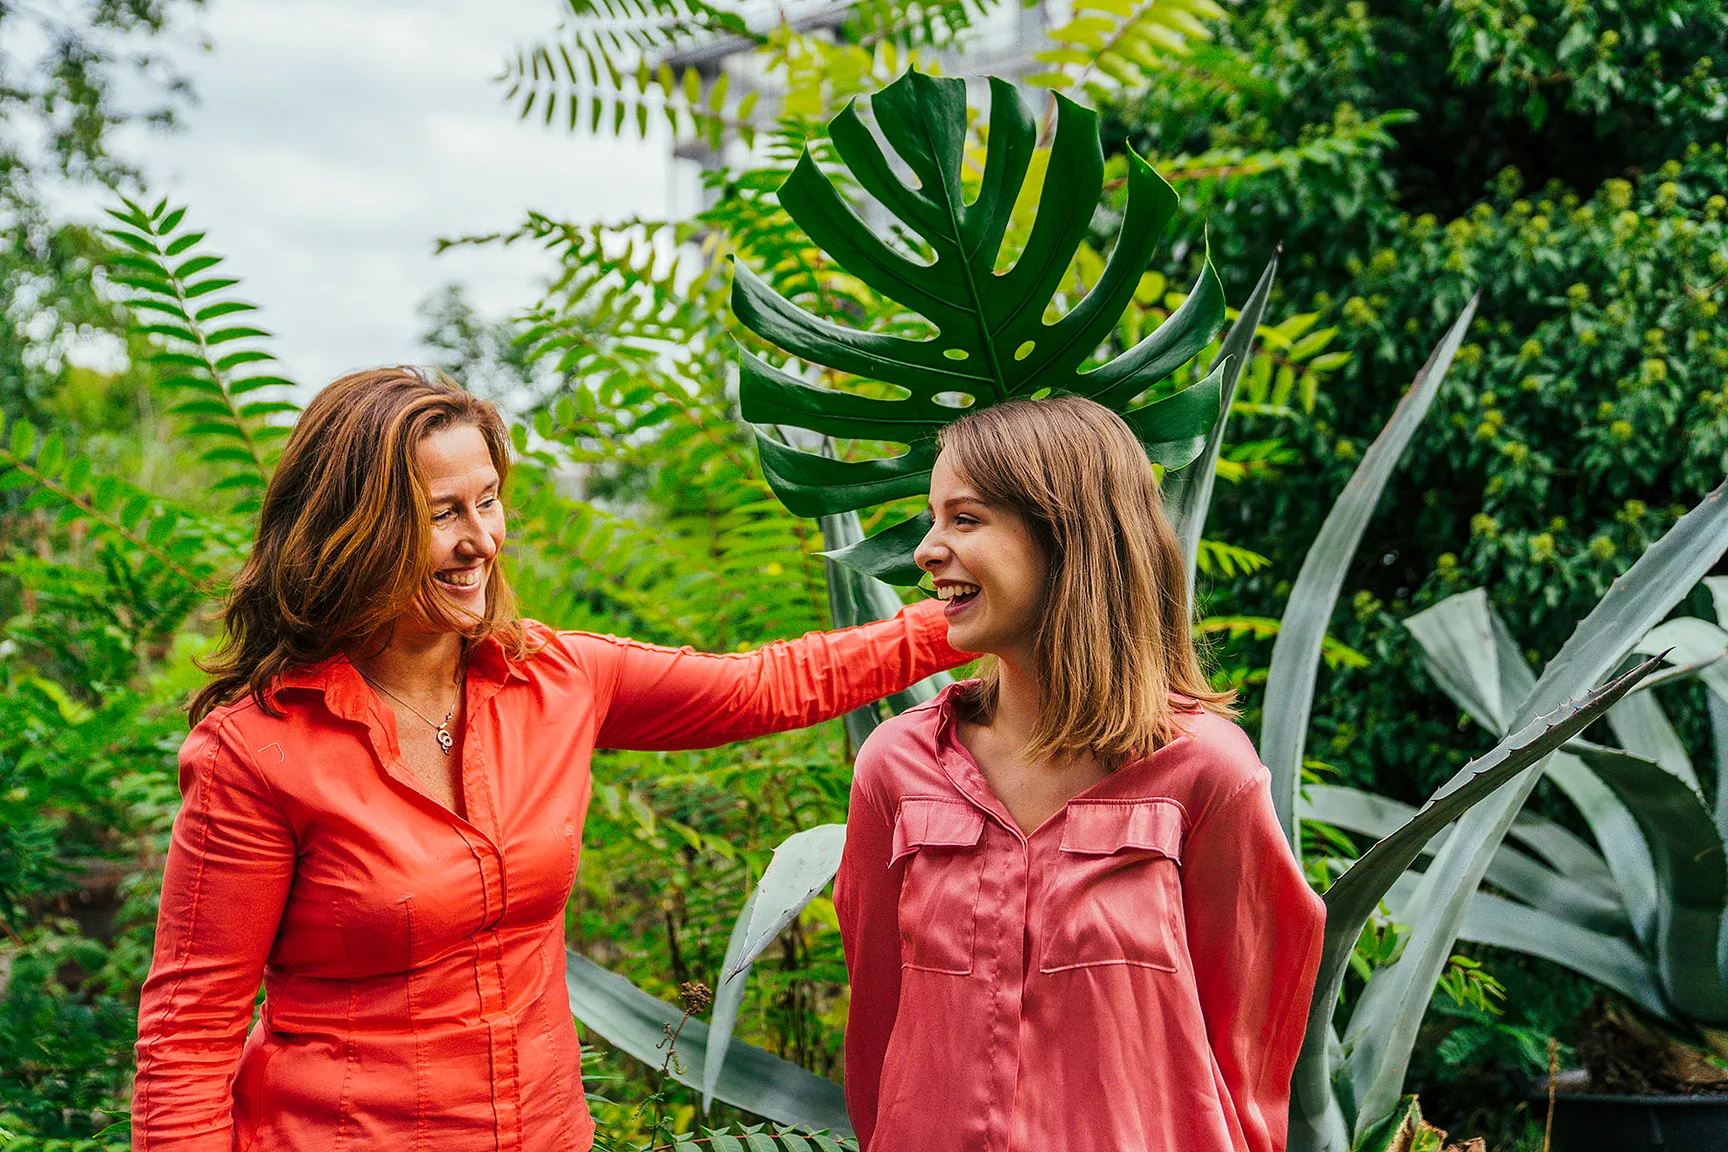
x,y
335,140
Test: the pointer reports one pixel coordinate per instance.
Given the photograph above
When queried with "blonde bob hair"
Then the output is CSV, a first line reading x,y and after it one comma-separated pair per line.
x,y
1114,640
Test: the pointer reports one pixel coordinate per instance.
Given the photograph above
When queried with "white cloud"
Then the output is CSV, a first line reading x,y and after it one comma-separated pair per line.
x,y
335,140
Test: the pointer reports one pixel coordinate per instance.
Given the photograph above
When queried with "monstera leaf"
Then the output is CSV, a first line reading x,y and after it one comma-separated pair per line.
x,y
991,342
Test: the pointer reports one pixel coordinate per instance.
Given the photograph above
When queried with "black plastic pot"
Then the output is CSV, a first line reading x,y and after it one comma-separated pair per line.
x,y
1592,1123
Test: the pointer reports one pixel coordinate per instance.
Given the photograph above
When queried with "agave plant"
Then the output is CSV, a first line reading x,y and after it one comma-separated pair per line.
x,y
1642,911
1349,1079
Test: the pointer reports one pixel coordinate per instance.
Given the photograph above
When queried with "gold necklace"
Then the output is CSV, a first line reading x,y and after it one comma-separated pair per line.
x,y
445,740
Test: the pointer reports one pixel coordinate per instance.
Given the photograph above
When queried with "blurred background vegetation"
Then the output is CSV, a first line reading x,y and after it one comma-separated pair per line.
x,y
1565,157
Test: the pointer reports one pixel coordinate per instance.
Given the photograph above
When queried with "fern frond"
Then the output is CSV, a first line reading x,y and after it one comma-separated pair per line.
x,y
617,66
212,360
1336,653
610,70
579,562
171,537
1227,167
758,1138
1110,45
1216,558
548,83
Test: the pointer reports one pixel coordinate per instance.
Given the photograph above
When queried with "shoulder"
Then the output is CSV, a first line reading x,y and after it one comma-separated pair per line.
x,y
910,732
231,726
1222,745
902,749
1216,760
554,653
222,752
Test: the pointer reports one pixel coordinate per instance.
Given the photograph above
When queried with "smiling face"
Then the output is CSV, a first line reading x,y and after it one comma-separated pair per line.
x,y
467,516
986,565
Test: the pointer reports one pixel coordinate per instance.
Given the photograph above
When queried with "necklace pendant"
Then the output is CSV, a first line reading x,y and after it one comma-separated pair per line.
x,y
445,740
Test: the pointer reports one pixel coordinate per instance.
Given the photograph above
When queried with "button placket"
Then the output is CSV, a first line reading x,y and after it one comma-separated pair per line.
x,y
502,1039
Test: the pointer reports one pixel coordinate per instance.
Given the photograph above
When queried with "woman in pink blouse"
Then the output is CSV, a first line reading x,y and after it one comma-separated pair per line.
x,y
1071,919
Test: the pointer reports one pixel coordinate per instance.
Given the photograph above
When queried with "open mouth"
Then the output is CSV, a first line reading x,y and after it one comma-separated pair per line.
x,y
956,596
461,580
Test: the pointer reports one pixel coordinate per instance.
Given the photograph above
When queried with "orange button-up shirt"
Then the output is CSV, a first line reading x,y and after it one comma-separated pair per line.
x,y
413,960
1133,976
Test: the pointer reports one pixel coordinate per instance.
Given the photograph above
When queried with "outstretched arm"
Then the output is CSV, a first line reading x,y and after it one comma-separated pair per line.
x,y
230,865
656,699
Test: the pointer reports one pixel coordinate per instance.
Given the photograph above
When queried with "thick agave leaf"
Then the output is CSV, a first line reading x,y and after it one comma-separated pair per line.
x,y
1290,681
1562,894
1691,878
1355,895
1188,492
1664,847
1386,1020
991,341
724,1015
1695,645
802,866
1473,658
756,1081
1607,959
1643,729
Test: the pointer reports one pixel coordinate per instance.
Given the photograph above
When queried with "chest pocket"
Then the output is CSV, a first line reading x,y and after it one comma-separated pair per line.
x,y
938,838
1116,896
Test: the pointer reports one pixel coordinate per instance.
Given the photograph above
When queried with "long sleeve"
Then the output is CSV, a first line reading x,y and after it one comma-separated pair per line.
x,y
1254,931
867,900
670,698
230,865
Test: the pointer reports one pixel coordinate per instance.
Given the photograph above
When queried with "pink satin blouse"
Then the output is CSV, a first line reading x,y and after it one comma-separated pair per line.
x,y
1134,976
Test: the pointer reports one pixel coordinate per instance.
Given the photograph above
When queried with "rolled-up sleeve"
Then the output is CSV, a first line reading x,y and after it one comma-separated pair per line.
x,y
230,865
671,698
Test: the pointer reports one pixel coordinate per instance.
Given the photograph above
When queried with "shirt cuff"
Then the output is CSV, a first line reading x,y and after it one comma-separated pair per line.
x,y
929,627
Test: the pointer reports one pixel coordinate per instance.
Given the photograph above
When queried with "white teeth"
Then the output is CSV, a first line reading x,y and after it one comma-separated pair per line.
x,y
955,591
461,579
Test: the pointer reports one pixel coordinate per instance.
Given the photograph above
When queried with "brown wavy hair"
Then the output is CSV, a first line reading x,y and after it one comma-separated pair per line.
x,y
344,542
1114,640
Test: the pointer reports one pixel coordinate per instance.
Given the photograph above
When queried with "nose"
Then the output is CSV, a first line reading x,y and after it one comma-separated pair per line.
x,y
476,541
930,552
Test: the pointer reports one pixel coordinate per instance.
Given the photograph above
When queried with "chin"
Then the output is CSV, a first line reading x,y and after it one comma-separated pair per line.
x,y
970,640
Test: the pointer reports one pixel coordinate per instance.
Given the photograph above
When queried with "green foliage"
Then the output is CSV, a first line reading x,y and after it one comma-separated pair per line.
x,y
1359,134
1108,45
1383,246
201,350
619,65
74,75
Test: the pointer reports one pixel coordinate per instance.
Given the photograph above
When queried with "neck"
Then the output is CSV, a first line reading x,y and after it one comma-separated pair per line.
x,y
1018,699
411,662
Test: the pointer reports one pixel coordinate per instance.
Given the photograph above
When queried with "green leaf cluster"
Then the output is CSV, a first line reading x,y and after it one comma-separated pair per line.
x,y
210,358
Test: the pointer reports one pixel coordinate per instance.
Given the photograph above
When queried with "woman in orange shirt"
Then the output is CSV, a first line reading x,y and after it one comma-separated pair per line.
x,y
384,795
1071,920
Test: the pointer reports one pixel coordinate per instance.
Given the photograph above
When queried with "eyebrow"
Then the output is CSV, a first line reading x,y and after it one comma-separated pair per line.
x,y
493,487
952,501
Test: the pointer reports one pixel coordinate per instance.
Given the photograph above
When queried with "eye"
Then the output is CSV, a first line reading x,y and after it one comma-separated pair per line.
x,y
964,519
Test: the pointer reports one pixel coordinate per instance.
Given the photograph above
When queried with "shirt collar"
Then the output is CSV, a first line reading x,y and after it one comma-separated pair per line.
x,y
347,694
